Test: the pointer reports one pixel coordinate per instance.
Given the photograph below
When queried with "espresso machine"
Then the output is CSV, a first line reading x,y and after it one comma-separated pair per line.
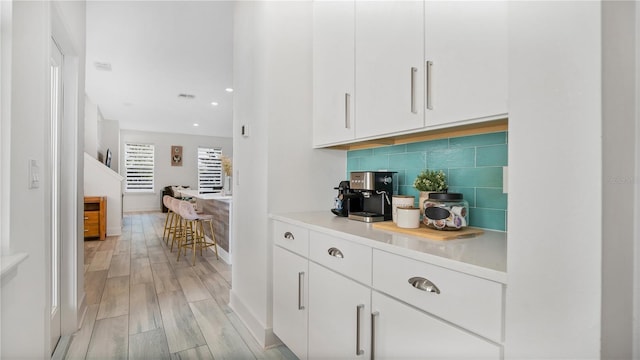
x,y
347,200
375,188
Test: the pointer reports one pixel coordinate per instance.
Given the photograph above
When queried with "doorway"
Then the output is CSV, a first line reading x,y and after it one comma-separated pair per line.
x,y
53,173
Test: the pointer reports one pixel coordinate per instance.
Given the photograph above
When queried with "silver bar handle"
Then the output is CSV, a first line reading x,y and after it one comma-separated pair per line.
x,y
423,284
359,309
428,71
300,290
347,110
374,316
413,90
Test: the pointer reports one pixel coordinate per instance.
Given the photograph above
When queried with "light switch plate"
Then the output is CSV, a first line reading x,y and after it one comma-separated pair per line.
x,y
34,174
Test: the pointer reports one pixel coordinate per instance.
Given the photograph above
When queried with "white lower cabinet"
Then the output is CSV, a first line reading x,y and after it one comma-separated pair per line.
x,y
290,289
339,316
403,332
347,300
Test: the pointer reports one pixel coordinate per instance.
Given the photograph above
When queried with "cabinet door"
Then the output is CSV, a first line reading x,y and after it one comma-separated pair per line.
x,y
389,67
339,316
333,71
466,41
400,331
290,289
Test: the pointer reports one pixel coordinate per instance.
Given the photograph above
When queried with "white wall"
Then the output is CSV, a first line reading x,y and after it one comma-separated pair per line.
x,y
109,138
5,118
25,299
618,173
165,174
275,168
555,156
99,180
91,118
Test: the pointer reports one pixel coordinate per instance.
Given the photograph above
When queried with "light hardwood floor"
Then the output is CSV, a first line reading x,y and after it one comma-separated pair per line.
x,y
144,304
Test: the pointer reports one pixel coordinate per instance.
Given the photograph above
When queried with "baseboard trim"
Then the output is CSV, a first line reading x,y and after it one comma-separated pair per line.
x,y
114,231
264,336
61,349
82,310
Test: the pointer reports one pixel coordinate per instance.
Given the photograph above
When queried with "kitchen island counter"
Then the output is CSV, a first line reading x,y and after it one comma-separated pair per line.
x,y
484,255
220,206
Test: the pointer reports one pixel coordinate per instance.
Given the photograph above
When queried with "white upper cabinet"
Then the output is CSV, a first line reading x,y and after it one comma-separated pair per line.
x,y
466,42
333,71
389,67
414,64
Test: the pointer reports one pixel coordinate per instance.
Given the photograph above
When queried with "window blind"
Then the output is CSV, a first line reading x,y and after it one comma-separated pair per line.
x,y
209,169
139,166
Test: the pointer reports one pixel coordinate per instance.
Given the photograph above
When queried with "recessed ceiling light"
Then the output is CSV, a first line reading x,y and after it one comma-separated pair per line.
x,y
196,124
104,66
228,90
214,103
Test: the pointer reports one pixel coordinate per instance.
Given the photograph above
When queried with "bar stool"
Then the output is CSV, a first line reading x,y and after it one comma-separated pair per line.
x,y
177,228
168,221
193,234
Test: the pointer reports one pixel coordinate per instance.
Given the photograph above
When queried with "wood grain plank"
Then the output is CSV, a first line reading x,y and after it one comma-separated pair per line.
x,y
180,326
101,260
144,314
94,285
157,254
120,265
139,249
141,271
221,267
164,278
213,281
192,286
107,244
221,336
115,298
122,247
110,339
80,342
199,353
149,345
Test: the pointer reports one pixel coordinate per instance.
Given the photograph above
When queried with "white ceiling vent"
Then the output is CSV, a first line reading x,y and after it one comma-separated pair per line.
x,y
186,96
103,66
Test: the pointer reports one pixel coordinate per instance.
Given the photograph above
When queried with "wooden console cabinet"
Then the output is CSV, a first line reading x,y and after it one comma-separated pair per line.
x,y
95,217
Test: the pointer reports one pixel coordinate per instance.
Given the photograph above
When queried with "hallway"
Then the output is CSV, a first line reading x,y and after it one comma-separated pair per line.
x,y
143,304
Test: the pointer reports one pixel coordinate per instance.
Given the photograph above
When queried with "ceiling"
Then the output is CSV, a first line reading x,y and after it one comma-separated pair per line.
x,y
158,50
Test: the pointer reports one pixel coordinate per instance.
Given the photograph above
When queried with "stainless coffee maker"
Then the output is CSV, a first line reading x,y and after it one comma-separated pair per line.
x,y
376,190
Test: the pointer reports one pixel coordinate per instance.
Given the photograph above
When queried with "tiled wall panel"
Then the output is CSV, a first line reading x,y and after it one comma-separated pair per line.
x,y
473,165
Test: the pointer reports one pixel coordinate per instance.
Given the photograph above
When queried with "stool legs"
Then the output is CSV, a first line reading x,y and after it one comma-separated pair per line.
x,y
192,235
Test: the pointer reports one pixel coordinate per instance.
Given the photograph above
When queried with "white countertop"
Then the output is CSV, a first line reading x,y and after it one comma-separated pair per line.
x,y
483,256
208,196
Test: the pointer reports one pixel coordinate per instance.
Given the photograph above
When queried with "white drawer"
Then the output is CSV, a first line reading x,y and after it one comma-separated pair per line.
x,y
471,302
291,237
347,258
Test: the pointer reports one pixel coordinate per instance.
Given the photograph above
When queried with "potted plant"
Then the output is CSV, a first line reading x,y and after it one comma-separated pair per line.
x,y
429,181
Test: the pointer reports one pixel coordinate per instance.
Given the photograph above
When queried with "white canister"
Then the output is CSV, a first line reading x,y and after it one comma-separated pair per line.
x,y
408,217
400,201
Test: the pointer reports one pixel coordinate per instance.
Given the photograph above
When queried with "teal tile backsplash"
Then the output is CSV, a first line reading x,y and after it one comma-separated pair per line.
x,y
473,165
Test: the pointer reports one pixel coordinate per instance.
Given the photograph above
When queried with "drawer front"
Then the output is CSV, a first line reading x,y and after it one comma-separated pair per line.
x,y
347,258
91,230
91,217
291,237
470,302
